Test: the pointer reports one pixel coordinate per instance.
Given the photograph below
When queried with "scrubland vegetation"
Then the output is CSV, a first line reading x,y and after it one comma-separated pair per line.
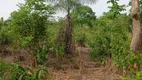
x,y
33,43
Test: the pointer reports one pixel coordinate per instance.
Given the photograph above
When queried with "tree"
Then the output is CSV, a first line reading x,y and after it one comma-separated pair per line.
x,y
29,25
136,23
30,19
1,22
4,36
66,32
115,9
83,15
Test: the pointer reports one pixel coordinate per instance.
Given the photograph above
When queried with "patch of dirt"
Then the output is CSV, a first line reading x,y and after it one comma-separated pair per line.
x,y
78,67
82,68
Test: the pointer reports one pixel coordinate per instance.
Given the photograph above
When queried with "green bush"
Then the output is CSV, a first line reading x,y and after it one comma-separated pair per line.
x,y
5,37
16,72
137,77
111,39
41,56
81,38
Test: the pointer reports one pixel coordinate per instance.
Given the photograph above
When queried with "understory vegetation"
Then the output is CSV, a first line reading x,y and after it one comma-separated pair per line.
x,y
33,30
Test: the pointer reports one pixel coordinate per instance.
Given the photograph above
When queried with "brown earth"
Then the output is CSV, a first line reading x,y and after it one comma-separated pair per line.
x,y
78,67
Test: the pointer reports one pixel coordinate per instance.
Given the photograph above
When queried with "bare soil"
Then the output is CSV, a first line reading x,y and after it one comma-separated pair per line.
x,y
78,67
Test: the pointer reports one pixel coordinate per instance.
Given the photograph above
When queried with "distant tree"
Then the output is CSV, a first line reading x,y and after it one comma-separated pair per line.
x,y
1,22
83,15
29,21
66,32
4,36
115,9
28,27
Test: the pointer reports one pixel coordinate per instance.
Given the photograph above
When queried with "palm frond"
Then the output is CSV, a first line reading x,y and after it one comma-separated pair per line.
x,y
69,4
88,1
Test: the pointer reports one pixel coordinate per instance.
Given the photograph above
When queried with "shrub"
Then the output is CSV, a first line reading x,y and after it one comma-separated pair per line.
x,y
5,37
81,39
137,77
111,39
16,72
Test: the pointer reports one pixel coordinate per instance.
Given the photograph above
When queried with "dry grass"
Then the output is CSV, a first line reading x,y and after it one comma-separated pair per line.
x,y
80,67
84,69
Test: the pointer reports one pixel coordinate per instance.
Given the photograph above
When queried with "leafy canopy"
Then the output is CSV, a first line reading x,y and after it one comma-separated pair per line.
x,y
115,9
29,22
66,5
83,15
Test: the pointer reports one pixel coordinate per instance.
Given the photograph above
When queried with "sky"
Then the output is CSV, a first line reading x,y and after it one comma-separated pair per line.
x,y
8,6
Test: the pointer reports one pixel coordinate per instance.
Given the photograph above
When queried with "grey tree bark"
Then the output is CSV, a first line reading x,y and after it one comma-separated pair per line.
x,y
136,23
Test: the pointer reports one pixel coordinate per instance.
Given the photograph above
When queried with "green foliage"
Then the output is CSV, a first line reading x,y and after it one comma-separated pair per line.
x,y
68,5
25,41
1,22
115,9
29,27
3,68
111,39
5,37
16,72
137,77
133,15
41,55
80,35
83,15
59,50
30,20
140,2
82,39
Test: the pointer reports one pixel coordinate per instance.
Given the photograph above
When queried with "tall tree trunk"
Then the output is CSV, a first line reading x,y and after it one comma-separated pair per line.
x,y
137,32
65,36
69,44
